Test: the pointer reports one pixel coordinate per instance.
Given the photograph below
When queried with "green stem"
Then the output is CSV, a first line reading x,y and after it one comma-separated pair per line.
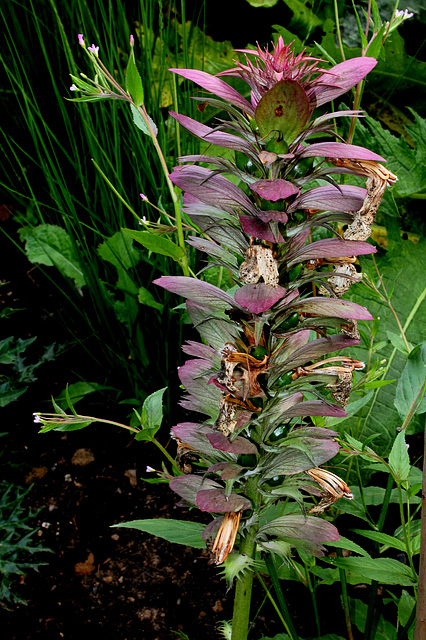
x,y
385,504
371,611
170,186
345,599
374,584
356,105
406,532
339,35
314,600
167,455
274,604
243,589
269,561
388,301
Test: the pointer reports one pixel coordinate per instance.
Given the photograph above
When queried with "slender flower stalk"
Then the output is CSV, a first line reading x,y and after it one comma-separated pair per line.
x,y
106,87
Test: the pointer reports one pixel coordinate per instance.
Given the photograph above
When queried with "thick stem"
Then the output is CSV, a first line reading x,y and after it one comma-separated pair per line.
x,y
241,614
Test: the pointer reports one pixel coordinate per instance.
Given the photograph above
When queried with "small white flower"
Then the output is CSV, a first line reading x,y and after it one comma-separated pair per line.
x,y
403,14
37,418
142,221
73,87
149,469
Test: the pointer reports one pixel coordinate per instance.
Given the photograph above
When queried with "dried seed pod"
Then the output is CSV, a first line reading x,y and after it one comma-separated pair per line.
x,y
344,274
341,390
259,263
184,454
351,330
226,420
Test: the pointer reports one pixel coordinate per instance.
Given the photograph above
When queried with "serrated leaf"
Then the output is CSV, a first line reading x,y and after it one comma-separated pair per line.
x,y
156,244
411,385
407,163
152,410
51,245
399,460
134,81
405,607
142,123
177,531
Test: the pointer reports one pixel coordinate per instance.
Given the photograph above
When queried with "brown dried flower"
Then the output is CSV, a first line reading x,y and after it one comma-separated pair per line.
x,y
225,538
333,488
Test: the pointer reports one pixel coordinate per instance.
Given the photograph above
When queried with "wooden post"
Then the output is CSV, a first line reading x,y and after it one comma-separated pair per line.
x,y
420,628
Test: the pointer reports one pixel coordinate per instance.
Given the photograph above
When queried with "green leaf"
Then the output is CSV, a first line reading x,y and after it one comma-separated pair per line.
x,y
411,385
134,81
119,251
384,570
262,3
352,409
375,47
407,163
9,353
157,244
51,245
399,460
145,297
74,424
345,543
361,35
178,531
405,607
142,123
284,109
397,68
8,395
152,410
382,538
304,21
77,392
398,342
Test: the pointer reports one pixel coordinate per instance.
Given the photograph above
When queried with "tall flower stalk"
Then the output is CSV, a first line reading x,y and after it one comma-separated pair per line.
x,y
258,381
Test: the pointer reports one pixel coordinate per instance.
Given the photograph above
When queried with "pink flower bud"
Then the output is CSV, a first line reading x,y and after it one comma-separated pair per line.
x,y
81,40
93,49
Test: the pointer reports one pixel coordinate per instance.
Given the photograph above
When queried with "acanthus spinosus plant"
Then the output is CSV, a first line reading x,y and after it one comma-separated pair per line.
x,y
259,377
268,370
